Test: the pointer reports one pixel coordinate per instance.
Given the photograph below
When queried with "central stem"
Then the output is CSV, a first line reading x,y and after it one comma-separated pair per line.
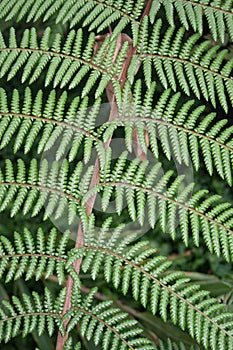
x,y
95,178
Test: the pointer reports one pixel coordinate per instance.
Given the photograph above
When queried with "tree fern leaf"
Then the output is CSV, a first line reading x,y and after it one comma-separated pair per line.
x,y
207,155
19,310
218,61
12,127
221,92
108,268
79,13
144,290
218,159
3,55
202,83
215,239
179,290
226,162
100,20
41,64
130,202
155,295
12,38
227,68
60,71
181,77
31,62
155,6
212,23
79,76
169,10
8,198
165,202
18,201
192,80
229,20
33,10
210,84
181,13
199,15
22,58
190,11
55,62
25,126
163,304
73,12
152,205
8,62
116,275
165,123
163,134
33,39
200,72
7,7
63,69
93,14
164,46
159,69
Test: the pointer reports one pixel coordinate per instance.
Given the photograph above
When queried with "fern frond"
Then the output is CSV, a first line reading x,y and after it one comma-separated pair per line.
x,y
178,61
216,14
95,15
98,321
151,194
99,15
41,257
165,42
185,134
137,269
106,325
66,64
43,187
52,118
145,190
29,314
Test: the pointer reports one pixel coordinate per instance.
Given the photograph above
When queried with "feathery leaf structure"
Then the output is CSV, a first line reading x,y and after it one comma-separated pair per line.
x,y
106,325
186,133
39,258
200,70
178,131
216,14
72,125
30,313
148,192
130,267
181,46
98,15
67,63
43,186
178,62
137,268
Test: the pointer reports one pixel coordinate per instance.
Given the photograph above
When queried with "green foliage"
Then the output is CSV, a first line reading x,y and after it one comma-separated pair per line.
x,y
28,256
134,266
195,68
156,78
34,312
65,64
